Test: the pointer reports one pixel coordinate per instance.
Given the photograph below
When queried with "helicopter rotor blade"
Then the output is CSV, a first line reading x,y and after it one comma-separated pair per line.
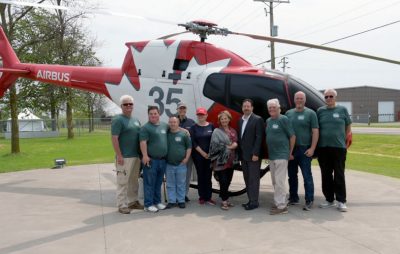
x,y
46,6
172,35
94,11
125,15
315,46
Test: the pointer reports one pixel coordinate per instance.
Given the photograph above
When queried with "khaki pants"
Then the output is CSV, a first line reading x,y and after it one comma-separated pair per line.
x,y
279,169
127,181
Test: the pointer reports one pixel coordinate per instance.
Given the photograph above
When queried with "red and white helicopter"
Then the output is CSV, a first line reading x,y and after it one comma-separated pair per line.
x,y
166,71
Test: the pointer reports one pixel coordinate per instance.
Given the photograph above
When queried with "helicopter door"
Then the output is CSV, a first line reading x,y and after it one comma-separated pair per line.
x,y
231,89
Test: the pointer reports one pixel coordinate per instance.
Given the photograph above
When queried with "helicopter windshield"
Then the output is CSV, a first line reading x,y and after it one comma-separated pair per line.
x,y
231,89
315,98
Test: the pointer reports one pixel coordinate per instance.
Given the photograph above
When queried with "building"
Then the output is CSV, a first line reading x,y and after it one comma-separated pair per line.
x,y
368,103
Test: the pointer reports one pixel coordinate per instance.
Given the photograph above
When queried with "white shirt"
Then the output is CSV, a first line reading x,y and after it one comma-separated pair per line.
x,y
245,120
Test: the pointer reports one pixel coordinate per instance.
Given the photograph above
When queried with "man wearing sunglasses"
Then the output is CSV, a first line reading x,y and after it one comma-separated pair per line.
x,y
125,139
334,128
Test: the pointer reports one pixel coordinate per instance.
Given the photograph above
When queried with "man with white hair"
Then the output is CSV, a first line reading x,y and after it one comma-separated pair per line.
x,y
334,128
125,139
305,125
280,142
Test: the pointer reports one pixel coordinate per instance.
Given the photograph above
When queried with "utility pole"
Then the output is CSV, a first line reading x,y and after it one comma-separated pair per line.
x,y
273,31
284,62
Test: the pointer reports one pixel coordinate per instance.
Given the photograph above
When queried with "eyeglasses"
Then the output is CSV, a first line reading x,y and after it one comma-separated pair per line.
x,y
329,96
127,104
182,108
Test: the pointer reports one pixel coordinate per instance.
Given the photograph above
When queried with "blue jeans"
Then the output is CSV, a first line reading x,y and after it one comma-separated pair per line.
x,y
152,179
176,183
304,162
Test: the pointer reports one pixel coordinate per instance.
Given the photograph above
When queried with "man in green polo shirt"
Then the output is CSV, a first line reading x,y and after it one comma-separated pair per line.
x,y
125,139
154,147
335,127
179,150
305,124
280,142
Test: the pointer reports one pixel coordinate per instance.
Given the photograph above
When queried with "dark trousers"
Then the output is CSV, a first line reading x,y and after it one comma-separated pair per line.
x,y
251,175
204,174
225,179
332,163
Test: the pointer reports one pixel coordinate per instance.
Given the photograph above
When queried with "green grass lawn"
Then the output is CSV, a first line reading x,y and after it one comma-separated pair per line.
x,y
40,153
378,154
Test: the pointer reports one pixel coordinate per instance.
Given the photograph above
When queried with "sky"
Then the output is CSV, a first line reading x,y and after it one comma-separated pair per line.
x,y
312,21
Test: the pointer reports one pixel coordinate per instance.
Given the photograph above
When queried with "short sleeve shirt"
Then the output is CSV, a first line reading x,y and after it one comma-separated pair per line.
x,y
278,132
156,137
303,123
127,129
178,144
332,126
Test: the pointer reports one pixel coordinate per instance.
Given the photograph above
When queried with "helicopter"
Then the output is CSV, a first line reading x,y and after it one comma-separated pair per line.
x,y
165,72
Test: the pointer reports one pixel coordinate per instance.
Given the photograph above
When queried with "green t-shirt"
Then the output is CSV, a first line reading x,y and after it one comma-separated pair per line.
x,y
156,137
303,123
127,129
278,132
178,143
332,126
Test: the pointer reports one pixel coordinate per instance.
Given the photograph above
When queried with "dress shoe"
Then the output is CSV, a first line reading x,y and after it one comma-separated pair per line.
x,y
250,207
136,205
244,205
124,210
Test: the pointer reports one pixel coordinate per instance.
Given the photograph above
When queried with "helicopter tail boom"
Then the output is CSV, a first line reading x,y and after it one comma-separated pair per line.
x,y
9,60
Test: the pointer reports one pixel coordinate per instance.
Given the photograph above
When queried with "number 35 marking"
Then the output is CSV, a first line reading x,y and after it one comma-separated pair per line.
x,y
170,98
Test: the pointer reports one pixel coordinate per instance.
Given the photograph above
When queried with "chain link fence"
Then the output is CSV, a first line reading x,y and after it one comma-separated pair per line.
x,y
37,128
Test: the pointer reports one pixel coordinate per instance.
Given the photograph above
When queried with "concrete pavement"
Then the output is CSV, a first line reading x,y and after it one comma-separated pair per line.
x,y
373,130
72,210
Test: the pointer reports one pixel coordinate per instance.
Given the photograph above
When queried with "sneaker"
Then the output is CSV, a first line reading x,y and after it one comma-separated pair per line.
x,y
136,205
293,202
151,209
187,199
201,201
124,210
181,205
327,204
161,206
211,202
342,207
308,206
278,211
170,205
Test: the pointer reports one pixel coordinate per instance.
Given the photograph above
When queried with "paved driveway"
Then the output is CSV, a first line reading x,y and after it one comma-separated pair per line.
x,y
72,210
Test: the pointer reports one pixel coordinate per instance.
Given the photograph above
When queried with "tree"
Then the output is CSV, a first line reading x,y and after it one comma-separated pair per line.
x,y
10,18
55,38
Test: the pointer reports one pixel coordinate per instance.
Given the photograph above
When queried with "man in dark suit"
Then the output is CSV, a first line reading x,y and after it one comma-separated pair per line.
x,y
251,131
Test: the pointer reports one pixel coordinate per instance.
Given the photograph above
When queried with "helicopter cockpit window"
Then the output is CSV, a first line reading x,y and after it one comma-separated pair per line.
x,y
314,97
180,64
231,89
258,88
215,88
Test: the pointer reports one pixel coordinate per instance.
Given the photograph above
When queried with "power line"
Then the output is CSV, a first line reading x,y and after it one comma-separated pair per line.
x,y
231,11
346,37
348,20
330,19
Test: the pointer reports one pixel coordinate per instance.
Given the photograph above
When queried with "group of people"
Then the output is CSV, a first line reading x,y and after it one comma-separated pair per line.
x,y
172,149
